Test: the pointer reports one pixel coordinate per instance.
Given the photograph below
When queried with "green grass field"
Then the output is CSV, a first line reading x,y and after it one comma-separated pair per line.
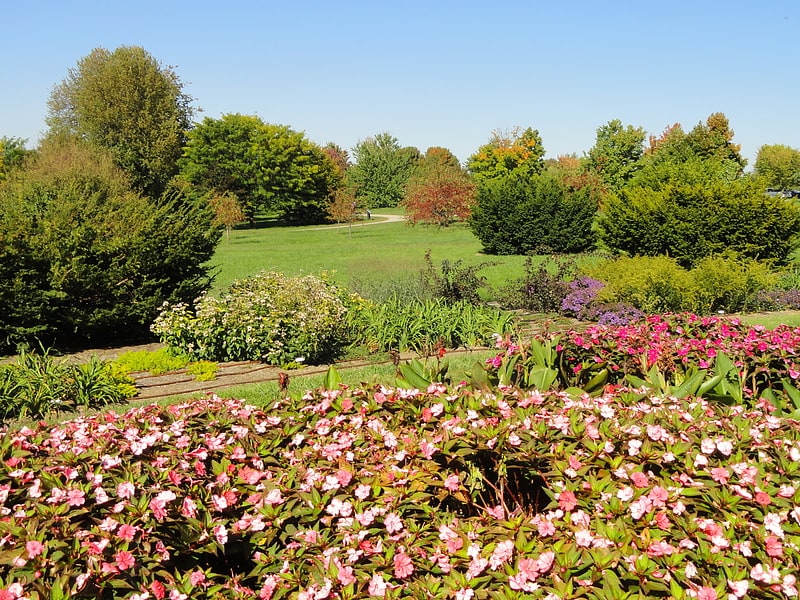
x,y
366,255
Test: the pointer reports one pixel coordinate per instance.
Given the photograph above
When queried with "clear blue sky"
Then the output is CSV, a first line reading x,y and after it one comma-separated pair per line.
x,y
434,73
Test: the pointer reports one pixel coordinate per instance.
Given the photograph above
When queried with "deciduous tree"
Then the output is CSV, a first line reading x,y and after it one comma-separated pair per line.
x,y
779,166
439,192
381,170
227,211
268,167
617,153
128,103
506,152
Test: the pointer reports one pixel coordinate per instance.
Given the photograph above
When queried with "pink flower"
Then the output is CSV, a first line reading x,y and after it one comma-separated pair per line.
x,y
465,594
720,474
34,548
221,534
763,499
403,566
125,490
393,523
502,553
345,575
452,483
738,588
377,586
126,532
660,548
124,560
76,497
639,479
197,577
706,593
774,546
567,501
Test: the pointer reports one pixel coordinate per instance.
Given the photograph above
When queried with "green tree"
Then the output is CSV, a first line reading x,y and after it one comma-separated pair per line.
x,y
778,166
86,260
713,140
128,103
381,170
506,152
617,153
439,192
268,167
12,153
526,213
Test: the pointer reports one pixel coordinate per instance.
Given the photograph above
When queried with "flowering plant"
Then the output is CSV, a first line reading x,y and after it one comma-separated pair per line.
x,y
434,493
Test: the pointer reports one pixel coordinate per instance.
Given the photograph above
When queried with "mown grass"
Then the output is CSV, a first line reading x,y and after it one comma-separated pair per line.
x,y
368,256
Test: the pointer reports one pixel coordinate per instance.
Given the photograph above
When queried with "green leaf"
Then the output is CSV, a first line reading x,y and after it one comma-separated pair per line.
x,y
332,379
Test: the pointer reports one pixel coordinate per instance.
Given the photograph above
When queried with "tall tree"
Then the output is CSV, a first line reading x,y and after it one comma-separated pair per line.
x,y
128,103
779,166
381,170
439,192
617,153
713,140
267,167
506,152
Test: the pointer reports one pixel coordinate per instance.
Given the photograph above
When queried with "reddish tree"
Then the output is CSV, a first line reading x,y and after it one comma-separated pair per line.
x,y
439,194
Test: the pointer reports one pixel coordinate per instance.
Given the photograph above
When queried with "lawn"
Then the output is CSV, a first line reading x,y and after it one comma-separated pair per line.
x,y
362,256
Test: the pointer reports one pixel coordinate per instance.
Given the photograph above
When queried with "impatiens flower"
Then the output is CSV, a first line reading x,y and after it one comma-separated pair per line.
x,y
501,554
377,586
739,588
763,499
403,566
124,560
465,594
706,593
774,546
362,492
34,548
125,490
567,500
221,534
126,532
393,523
452,483
639,479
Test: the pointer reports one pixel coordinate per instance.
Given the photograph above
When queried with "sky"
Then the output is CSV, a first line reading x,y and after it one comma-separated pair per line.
x,y
434,72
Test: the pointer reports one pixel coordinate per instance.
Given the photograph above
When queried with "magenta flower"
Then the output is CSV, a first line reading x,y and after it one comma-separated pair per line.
x,y
124,560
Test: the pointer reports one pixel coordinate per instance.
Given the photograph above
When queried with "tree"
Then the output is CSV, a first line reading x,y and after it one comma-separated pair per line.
x,y
506,152
381,170
86,260
12,153
713,140
339,157
227,211
779,166
267,167
617,153
526,213
128,103
439,192
342,207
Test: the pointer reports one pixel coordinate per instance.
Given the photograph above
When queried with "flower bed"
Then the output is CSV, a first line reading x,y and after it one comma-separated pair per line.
x,y
393,493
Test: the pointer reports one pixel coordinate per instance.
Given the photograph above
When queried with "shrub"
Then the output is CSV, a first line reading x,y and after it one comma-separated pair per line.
x,y
730,284
543,287
691,221
454,281
525,213
269,317
83,260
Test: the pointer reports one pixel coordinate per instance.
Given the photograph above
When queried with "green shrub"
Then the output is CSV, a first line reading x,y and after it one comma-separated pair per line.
x,y
543,286
155,363
691,221
270,317
85,261
525,213
653,284
729,284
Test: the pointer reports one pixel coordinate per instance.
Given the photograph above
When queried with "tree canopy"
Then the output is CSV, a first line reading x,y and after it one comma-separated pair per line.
x,y
506,152
779,166
616,153
128,103
439,192
381,170
267,167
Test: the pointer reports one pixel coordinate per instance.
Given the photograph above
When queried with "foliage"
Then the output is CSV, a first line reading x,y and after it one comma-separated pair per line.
x,y
155,362
617,153
543,287
270,317
691,221
342,206
84,259
339,157
12,154
779,166
128,103
381,171
425,326
453,282
420,493
227,211
508,152
37,385
267,167
524,214
439,192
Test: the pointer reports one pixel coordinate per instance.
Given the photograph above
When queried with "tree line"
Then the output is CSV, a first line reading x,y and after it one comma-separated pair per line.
x,y
120,206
